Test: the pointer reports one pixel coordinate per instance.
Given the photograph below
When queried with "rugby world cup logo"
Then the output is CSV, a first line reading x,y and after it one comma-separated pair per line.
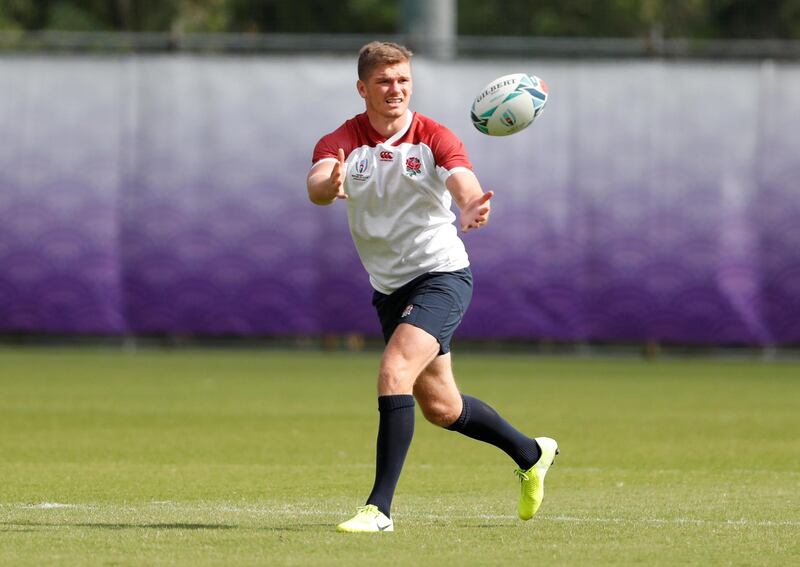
x,y
509,118
361,170
413,166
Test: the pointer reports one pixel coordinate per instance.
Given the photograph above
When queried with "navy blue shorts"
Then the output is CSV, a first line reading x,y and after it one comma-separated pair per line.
x,y
435,302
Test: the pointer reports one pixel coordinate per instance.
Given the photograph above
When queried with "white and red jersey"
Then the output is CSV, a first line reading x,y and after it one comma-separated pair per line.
x,y
398,206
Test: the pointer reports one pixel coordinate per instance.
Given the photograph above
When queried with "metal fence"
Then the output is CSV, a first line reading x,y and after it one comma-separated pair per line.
x,y
465,46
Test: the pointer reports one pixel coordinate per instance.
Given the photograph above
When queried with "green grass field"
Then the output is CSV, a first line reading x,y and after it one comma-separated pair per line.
x,y
245,458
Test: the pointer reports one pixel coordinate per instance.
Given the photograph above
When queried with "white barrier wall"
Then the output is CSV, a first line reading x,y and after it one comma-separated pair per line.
x,y
652,200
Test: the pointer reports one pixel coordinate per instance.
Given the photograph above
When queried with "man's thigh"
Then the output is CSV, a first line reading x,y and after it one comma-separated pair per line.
x,y
409,351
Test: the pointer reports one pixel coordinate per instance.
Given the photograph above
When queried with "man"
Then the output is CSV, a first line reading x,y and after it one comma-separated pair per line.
x,y
399,172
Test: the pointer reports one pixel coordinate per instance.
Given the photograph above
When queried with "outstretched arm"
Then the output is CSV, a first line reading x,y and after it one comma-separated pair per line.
x,y
325,181
472,202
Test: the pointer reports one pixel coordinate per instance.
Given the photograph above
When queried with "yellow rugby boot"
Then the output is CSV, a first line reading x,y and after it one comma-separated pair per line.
x,y
532,480
367,519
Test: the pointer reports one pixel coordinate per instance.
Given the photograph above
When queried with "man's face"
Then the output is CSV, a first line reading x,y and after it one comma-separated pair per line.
x,y
387,91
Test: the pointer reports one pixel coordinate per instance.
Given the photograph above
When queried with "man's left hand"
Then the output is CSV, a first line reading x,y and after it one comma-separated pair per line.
x,y
476,213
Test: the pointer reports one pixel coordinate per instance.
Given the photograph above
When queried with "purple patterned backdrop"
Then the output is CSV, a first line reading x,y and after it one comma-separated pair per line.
x,y
652,201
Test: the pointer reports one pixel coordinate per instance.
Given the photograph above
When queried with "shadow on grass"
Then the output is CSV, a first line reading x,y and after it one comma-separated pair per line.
x,y
34,526
296,528
17,526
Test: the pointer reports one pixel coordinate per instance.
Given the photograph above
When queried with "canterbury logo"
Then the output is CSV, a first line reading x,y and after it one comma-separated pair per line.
x,y
386,156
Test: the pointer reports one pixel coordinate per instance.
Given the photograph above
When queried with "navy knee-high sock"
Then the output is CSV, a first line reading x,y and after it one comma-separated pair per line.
x,y
395,431
479,421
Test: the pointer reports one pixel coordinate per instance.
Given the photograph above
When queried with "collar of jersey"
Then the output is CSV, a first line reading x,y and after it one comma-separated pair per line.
x,y
402,132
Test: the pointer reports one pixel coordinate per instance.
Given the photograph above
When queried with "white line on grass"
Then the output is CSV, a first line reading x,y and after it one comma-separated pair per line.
x,y
673,521
682,472
289,510
50,506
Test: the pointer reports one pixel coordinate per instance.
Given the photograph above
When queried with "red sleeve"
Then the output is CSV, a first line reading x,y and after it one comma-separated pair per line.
x,y
448,150
345,137
325,148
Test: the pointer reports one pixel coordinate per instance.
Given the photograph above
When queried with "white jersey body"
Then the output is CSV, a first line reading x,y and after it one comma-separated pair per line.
x,y
398,206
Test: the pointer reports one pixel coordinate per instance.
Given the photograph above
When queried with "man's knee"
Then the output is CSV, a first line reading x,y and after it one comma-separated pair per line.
x,y
409,351
442,415
440,412
393,381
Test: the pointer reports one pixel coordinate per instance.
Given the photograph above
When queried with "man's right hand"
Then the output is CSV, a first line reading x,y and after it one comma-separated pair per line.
x,y
326,181
337,177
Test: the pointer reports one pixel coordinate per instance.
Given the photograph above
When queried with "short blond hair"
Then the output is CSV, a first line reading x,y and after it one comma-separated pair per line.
x,y
378,53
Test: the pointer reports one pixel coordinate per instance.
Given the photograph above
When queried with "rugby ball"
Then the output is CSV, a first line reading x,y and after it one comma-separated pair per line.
x,y
509,104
